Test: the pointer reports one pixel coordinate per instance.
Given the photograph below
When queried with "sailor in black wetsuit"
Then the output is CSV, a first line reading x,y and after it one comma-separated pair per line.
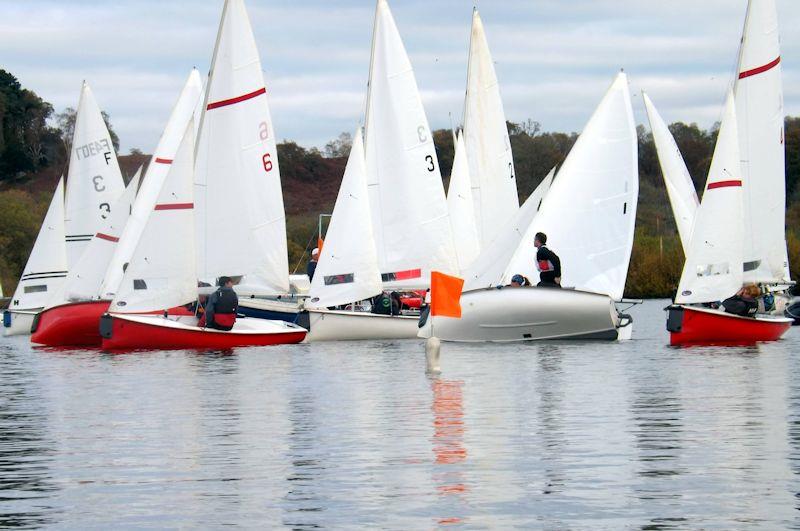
x,y
222,306
547,263
311,267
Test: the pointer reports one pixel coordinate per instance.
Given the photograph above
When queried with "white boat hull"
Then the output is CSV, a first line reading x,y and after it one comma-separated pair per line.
x,y
530,314
19,322
339,325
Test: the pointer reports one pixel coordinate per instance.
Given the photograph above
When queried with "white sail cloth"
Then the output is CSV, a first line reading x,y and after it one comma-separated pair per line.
x,y
461,208
407,200
94,181
162,271
489,267
240,217
590,211
44,273
713,269
86,276
153,181
491,165
680,188
347,270
759,110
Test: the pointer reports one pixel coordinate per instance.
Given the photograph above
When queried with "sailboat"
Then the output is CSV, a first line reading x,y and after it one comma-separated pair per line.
x,y
488,148
73,317
760,254
714,267
44,272
162,274
405,202
588,214
680,188
461,208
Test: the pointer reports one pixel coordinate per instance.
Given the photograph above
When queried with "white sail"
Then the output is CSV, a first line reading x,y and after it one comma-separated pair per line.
x,y
491,165
240,216
86,276
162,271
680,188
153,181
347,270
759,108
409,209
46,268
490,266
94,181
462,208
713,269
590,210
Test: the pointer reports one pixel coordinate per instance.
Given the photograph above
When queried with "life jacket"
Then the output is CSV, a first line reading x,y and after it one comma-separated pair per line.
x,y
544,265
225,307
382,304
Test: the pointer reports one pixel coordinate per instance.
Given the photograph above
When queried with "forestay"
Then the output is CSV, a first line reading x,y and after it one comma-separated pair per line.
x,y
680,188
162,273
713,269
241,222
590,210
347,270
407,200
94,181
46,268
489,267
154,178
759,108
85,278
462,208
491,165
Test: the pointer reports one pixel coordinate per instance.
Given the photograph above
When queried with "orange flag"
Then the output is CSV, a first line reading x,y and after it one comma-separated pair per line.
x,y
320,241
446,295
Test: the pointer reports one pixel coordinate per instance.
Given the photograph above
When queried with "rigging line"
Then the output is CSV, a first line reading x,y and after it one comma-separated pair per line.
x,y
304,253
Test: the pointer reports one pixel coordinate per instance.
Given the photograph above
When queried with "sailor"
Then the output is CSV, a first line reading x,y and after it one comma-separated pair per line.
x,y
222,306
312,264
519,281
744,303
547,263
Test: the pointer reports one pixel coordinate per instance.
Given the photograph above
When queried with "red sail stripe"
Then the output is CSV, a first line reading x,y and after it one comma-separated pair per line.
x,y
237,99
723,184
106,237
164,161
760,69
175,206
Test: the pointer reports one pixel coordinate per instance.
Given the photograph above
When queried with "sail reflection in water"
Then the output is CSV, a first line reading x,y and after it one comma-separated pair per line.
x,y
448,443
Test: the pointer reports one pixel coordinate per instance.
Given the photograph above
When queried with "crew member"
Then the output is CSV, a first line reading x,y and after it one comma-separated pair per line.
x,y
311,267
547,262
222,306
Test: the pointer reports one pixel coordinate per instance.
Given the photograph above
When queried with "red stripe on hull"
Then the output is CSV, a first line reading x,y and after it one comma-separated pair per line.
x,y
70,325
130,335
700,327
760,69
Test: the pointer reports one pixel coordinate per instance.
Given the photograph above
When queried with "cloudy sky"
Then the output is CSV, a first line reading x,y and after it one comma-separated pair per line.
x,y
554,58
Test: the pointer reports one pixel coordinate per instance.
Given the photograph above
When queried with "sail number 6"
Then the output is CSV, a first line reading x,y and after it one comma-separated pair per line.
x,y
267,162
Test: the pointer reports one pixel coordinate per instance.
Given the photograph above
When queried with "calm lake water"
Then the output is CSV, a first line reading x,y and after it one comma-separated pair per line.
x,y
558,435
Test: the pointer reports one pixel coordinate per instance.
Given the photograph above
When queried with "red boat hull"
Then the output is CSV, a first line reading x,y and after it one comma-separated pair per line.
x,y
74,324
688,325
126,334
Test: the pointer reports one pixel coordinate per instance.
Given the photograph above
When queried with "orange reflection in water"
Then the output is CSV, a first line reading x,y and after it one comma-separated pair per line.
x,y
448,439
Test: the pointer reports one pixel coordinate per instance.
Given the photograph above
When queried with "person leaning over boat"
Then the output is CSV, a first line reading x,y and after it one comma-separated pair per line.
x,y
311,267
547,263
221,307
744,303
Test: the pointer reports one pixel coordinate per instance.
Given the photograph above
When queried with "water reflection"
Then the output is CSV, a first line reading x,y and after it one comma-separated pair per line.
x,y
448,446
550,426
25,453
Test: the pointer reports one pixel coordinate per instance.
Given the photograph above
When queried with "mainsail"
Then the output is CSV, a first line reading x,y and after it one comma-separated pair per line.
x,y
491,165
409,210
94,181
680,188
240,217
462,208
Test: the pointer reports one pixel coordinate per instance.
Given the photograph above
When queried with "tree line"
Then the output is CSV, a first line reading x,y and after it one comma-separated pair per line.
x,y
34,148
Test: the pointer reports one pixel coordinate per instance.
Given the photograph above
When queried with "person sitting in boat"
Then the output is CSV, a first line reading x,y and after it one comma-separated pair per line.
x,y
519,281
387,304
311,267
221,307
547,263
745,301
